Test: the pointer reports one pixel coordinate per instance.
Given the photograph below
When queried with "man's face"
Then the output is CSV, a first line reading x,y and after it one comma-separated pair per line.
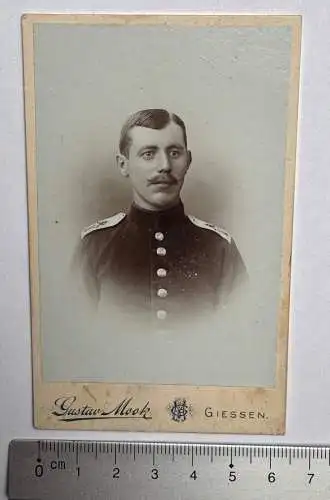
x,y
156,165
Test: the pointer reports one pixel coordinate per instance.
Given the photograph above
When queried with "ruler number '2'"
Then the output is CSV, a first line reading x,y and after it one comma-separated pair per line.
x,y
115,473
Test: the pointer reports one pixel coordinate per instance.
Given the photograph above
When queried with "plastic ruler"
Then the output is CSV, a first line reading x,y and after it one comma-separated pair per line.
x,y
63,470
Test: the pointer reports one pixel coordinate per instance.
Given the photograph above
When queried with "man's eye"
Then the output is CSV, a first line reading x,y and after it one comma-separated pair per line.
x,y
148,155
175,153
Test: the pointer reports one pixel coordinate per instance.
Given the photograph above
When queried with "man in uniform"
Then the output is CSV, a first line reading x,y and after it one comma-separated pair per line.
x,y
155,259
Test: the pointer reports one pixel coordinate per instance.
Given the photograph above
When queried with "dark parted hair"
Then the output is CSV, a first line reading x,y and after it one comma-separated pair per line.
x,y
149,118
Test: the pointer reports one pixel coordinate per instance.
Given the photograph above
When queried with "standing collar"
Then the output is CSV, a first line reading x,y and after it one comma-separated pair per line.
x,y
160,218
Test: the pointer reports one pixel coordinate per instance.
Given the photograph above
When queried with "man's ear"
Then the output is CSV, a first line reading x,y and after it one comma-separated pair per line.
x,y
189,159
122,163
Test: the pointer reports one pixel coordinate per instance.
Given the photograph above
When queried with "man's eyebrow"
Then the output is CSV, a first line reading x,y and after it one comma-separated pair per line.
x,y
151,147
175,145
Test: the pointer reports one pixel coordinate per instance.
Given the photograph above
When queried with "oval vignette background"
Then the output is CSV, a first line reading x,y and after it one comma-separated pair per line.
x,y
230,85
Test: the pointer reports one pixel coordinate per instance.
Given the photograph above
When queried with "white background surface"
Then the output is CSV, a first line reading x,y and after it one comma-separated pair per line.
x,y
308,408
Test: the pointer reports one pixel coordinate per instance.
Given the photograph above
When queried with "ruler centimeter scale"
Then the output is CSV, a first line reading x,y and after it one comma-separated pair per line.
x,y
97,470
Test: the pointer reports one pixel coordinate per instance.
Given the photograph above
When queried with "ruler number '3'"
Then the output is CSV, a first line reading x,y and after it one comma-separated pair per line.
x,y
154,474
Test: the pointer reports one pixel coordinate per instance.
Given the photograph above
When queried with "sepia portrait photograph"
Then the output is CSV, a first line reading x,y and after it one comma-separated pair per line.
x,y
161,157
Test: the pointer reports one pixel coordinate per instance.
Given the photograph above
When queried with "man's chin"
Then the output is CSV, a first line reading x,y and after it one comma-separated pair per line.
x,y
162,201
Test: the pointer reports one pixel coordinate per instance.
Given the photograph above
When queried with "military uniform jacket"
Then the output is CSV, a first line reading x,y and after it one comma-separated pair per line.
x,y
164,264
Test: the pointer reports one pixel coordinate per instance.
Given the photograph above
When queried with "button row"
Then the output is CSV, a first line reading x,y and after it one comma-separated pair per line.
x,y
161,273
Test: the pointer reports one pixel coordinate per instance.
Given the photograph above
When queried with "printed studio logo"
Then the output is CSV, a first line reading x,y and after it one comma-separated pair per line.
x,y
179,410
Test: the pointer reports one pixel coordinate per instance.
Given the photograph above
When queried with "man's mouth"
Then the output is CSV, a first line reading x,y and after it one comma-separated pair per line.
x,y
164,182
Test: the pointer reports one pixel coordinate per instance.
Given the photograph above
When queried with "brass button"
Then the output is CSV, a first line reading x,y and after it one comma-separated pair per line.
x,y
162,293
161,251
161,314
161,273
159,236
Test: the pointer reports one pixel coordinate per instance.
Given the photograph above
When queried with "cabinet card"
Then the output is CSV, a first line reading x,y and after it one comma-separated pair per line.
x,y
161,160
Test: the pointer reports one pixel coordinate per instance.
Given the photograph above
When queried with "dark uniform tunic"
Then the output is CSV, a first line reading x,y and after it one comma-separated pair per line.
x,y
163,265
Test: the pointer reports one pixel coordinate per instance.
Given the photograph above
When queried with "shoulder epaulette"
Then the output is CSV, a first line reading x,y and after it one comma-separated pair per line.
x,y
210,227
102,224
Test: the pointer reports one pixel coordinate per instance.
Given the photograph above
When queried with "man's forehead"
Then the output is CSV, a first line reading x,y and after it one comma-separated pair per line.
x,y
171,133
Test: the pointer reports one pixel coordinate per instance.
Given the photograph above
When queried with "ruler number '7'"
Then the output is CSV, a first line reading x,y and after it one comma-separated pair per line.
x,y
310,477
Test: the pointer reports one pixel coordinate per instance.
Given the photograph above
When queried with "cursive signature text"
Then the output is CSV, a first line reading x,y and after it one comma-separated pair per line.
x,y
68,411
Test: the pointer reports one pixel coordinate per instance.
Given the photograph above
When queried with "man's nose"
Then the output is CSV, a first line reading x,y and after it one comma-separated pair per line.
x,y
164,164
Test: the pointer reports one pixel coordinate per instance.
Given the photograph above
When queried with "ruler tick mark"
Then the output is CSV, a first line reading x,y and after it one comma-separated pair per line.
x,y
77,454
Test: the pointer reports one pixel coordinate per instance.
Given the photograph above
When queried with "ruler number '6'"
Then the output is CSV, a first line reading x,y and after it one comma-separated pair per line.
x,y
271,477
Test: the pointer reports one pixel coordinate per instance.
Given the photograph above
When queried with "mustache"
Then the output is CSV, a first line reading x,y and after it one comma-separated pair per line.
x,y
162,179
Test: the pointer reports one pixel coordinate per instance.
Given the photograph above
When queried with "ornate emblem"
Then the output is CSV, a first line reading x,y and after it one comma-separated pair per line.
x,y
179,410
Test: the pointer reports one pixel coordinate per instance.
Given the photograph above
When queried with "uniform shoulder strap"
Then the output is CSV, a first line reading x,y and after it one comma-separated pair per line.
x,y
211,227
102,224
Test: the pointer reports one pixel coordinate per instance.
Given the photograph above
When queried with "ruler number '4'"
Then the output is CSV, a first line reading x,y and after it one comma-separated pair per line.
x,y
193,475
